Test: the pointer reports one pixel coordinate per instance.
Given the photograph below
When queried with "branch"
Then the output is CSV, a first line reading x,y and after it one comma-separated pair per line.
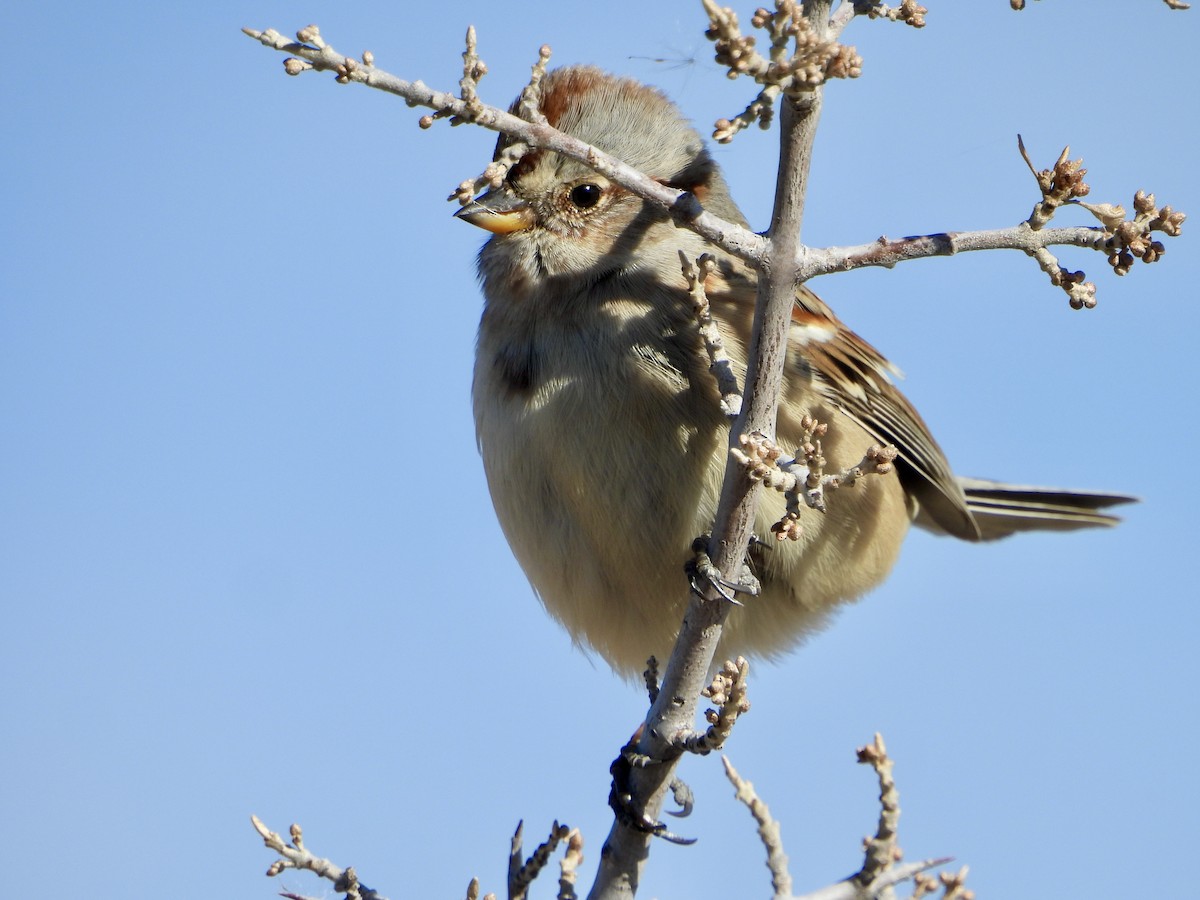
x,y
728,694
674,711
816,57
851,890
522,872
881,849
718,360
1121,240
879,872
886,252
768,830
295,855
684,206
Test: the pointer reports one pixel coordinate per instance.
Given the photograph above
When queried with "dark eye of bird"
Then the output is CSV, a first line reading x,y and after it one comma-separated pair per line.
x,y
585,196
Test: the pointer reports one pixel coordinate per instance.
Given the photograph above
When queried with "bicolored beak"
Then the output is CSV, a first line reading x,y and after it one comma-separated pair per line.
x,y
500,212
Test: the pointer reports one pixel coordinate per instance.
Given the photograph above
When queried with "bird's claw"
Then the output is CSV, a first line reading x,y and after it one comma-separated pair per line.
x,y
703,573
684,797
620,797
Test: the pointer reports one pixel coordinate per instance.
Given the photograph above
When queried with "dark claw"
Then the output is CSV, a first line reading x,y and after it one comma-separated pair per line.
x,y
620,798
702,573
670,836
684,798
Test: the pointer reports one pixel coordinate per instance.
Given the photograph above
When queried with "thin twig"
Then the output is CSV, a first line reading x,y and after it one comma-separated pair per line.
x,y
686,208
768,830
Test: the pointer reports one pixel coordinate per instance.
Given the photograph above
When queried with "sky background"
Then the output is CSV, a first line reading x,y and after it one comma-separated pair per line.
x,y
248,563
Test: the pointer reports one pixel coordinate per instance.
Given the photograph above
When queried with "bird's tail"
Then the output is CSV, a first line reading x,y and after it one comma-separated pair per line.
x,y
1002,509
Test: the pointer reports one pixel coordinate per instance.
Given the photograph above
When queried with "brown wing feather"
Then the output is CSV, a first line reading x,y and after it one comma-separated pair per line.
x,y
853,376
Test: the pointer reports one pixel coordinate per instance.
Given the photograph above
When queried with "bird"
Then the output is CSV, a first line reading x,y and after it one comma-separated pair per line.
x,y
600,425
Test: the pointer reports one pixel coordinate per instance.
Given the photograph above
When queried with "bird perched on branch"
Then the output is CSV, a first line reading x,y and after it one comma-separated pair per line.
x,y
601,426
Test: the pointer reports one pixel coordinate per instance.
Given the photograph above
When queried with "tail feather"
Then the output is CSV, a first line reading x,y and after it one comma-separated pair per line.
x,y
1002,509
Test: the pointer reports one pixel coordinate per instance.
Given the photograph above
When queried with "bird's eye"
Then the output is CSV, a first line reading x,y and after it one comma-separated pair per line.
x,y
585,196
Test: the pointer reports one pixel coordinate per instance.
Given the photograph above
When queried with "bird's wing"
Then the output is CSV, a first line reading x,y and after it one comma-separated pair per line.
x,y
854,377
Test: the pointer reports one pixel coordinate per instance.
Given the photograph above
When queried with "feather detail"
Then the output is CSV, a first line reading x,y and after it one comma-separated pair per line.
x,y
856,378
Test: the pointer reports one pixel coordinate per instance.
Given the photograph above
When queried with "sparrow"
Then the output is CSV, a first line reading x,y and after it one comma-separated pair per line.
x,y
600,424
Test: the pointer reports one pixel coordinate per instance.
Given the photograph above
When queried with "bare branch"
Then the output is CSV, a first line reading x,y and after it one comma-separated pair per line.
x,y
881,849
851,890
803,56
295,855
710,333
684,206
569,866
522,874
528,108
626,848
1059,185
768,830
908,12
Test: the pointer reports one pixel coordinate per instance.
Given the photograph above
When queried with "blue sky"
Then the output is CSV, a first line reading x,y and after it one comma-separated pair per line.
x,y
248,559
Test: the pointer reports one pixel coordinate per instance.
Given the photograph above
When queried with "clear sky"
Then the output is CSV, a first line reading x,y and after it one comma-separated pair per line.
x,y
247,558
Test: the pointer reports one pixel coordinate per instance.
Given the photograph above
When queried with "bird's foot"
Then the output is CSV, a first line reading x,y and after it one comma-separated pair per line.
x,y
703,573
631,813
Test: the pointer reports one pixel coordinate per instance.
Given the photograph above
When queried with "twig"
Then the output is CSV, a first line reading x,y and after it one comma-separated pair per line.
x,y
851,890
568,868
521,874
686,208
312,52
766,463
728,694
882,851
295,855
710,333
768,830
804,55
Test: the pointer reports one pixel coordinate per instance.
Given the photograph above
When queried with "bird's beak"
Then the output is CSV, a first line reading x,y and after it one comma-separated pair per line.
x,y
500,212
